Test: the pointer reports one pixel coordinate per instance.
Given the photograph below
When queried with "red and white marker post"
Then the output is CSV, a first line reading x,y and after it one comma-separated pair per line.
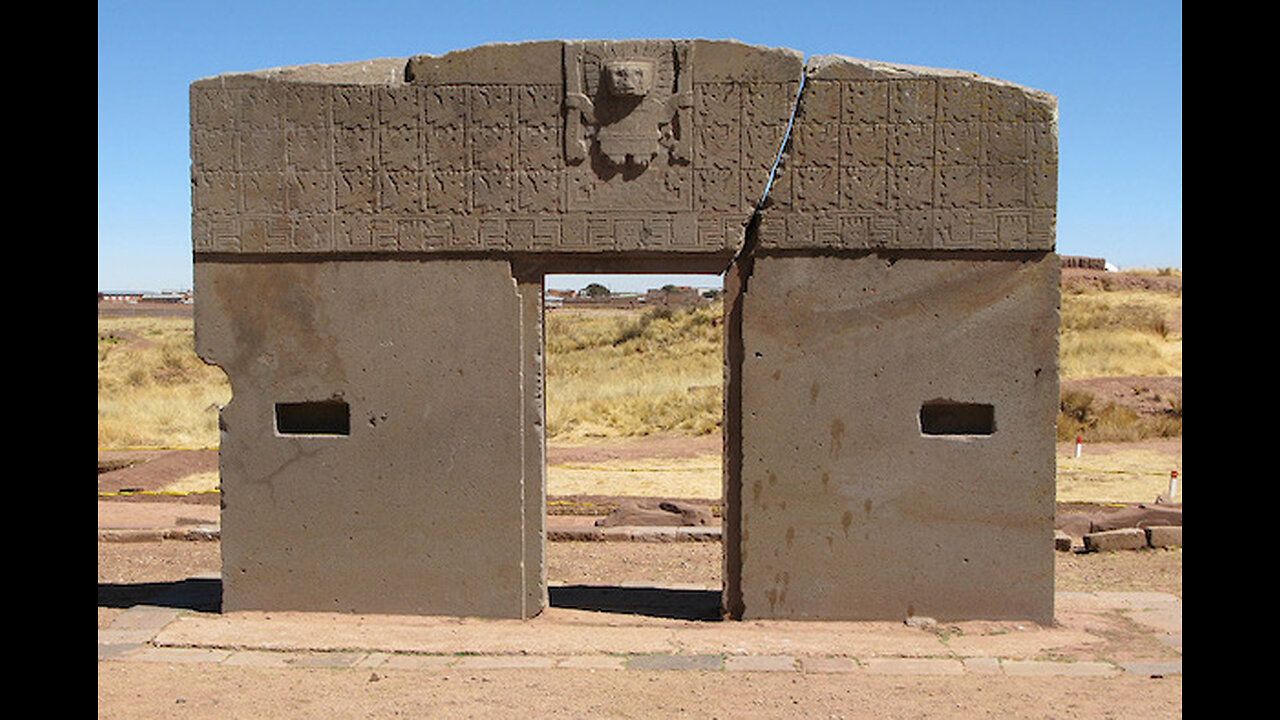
x,y
1079,446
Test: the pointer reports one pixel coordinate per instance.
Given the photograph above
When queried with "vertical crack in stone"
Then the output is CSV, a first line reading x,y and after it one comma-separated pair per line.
x,y
737,275
747,247
786,140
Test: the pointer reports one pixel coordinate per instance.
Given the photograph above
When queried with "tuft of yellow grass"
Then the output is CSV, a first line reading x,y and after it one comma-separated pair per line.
x,y
153,391
698,477
618,373
1120,333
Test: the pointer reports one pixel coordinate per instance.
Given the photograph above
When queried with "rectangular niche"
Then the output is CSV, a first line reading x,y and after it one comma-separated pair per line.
x,y
945,417
325,417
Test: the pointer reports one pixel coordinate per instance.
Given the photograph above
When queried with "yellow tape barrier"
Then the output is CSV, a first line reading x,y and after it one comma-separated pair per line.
x,y
633,470
1113,472
126,493
134,449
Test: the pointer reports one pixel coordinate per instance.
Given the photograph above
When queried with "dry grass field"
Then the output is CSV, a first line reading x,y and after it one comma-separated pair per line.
x,y
152,389
1123,332
617,374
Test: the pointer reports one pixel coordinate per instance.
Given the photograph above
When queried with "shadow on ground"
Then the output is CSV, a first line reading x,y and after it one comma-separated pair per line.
x,y
201,594
205,595
650,601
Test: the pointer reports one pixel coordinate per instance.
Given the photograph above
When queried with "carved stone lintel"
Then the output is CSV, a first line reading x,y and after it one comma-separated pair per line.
x,y
627,101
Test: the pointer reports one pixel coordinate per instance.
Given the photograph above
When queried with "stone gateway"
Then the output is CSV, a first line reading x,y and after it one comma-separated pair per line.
x,y
370,242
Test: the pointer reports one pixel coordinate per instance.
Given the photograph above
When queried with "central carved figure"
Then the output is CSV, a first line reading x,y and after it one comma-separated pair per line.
x,y
630,104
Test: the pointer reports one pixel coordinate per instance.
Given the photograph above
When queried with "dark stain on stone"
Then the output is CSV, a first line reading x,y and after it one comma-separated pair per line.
x,y
813,392
847,521
837,437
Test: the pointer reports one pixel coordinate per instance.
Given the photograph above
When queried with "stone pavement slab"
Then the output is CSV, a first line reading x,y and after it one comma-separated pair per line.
x,y
760,663
914,666
593,662
580,639
1040,668
829,665
263,658
181,655
676,662
1153,669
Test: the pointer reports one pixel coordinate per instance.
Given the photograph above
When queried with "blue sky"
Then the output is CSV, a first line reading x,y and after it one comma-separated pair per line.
x,y
1116,67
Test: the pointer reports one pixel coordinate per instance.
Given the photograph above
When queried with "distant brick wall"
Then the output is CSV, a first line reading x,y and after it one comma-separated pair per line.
x,y
1086,263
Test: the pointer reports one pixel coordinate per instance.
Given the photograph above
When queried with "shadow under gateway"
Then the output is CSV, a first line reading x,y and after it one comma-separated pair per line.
x,y
205,595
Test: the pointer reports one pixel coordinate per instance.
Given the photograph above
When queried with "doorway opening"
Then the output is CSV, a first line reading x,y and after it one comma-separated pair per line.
x,y
634,378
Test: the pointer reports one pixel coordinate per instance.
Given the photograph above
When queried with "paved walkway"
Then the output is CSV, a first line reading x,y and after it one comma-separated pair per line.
x,y
624,629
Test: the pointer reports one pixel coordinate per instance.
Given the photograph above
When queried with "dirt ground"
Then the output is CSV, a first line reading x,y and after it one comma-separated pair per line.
x,y
129,572
134,690
146,690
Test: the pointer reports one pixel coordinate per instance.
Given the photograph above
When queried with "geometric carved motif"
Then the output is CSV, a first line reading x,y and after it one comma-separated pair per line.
x,y
909,162
663,146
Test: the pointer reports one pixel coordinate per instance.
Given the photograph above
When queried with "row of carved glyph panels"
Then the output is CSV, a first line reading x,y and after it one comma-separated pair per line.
x,y
460,128
877,189
577,232
881,101
538,148
959,229
279,106
658,233
365,192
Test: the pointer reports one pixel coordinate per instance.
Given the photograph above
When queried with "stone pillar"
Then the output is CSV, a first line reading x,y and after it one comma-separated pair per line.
x,y
899,374
896,420
373,454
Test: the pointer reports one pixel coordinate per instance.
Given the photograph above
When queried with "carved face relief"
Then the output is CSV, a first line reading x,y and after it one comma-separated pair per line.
x,y
623,101
629,78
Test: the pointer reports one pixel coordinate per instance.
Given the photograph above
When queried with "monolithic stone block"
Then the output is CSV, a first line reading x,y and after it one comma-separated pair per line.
x,y
888,156
1122,539
373,451
897,455
1139,516
661,147
1164,536
370,241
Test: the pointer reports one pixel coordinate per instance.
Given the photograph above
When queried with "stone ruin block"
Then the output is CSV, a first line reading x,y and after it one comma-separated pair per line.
x,y
370,242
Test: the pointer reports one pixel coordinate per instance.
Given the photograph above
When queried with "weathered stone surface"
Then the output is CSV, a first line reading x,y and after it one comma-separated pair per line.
x,y
1164,536
657,513
518,148
1139,516
526,147
418,507
895,157
1122,539
849,509
370,241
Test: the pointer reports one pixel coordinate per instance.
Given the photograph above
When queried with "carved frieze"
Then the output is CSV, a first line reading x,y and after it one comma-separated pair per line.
x,y
566,144
887,157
